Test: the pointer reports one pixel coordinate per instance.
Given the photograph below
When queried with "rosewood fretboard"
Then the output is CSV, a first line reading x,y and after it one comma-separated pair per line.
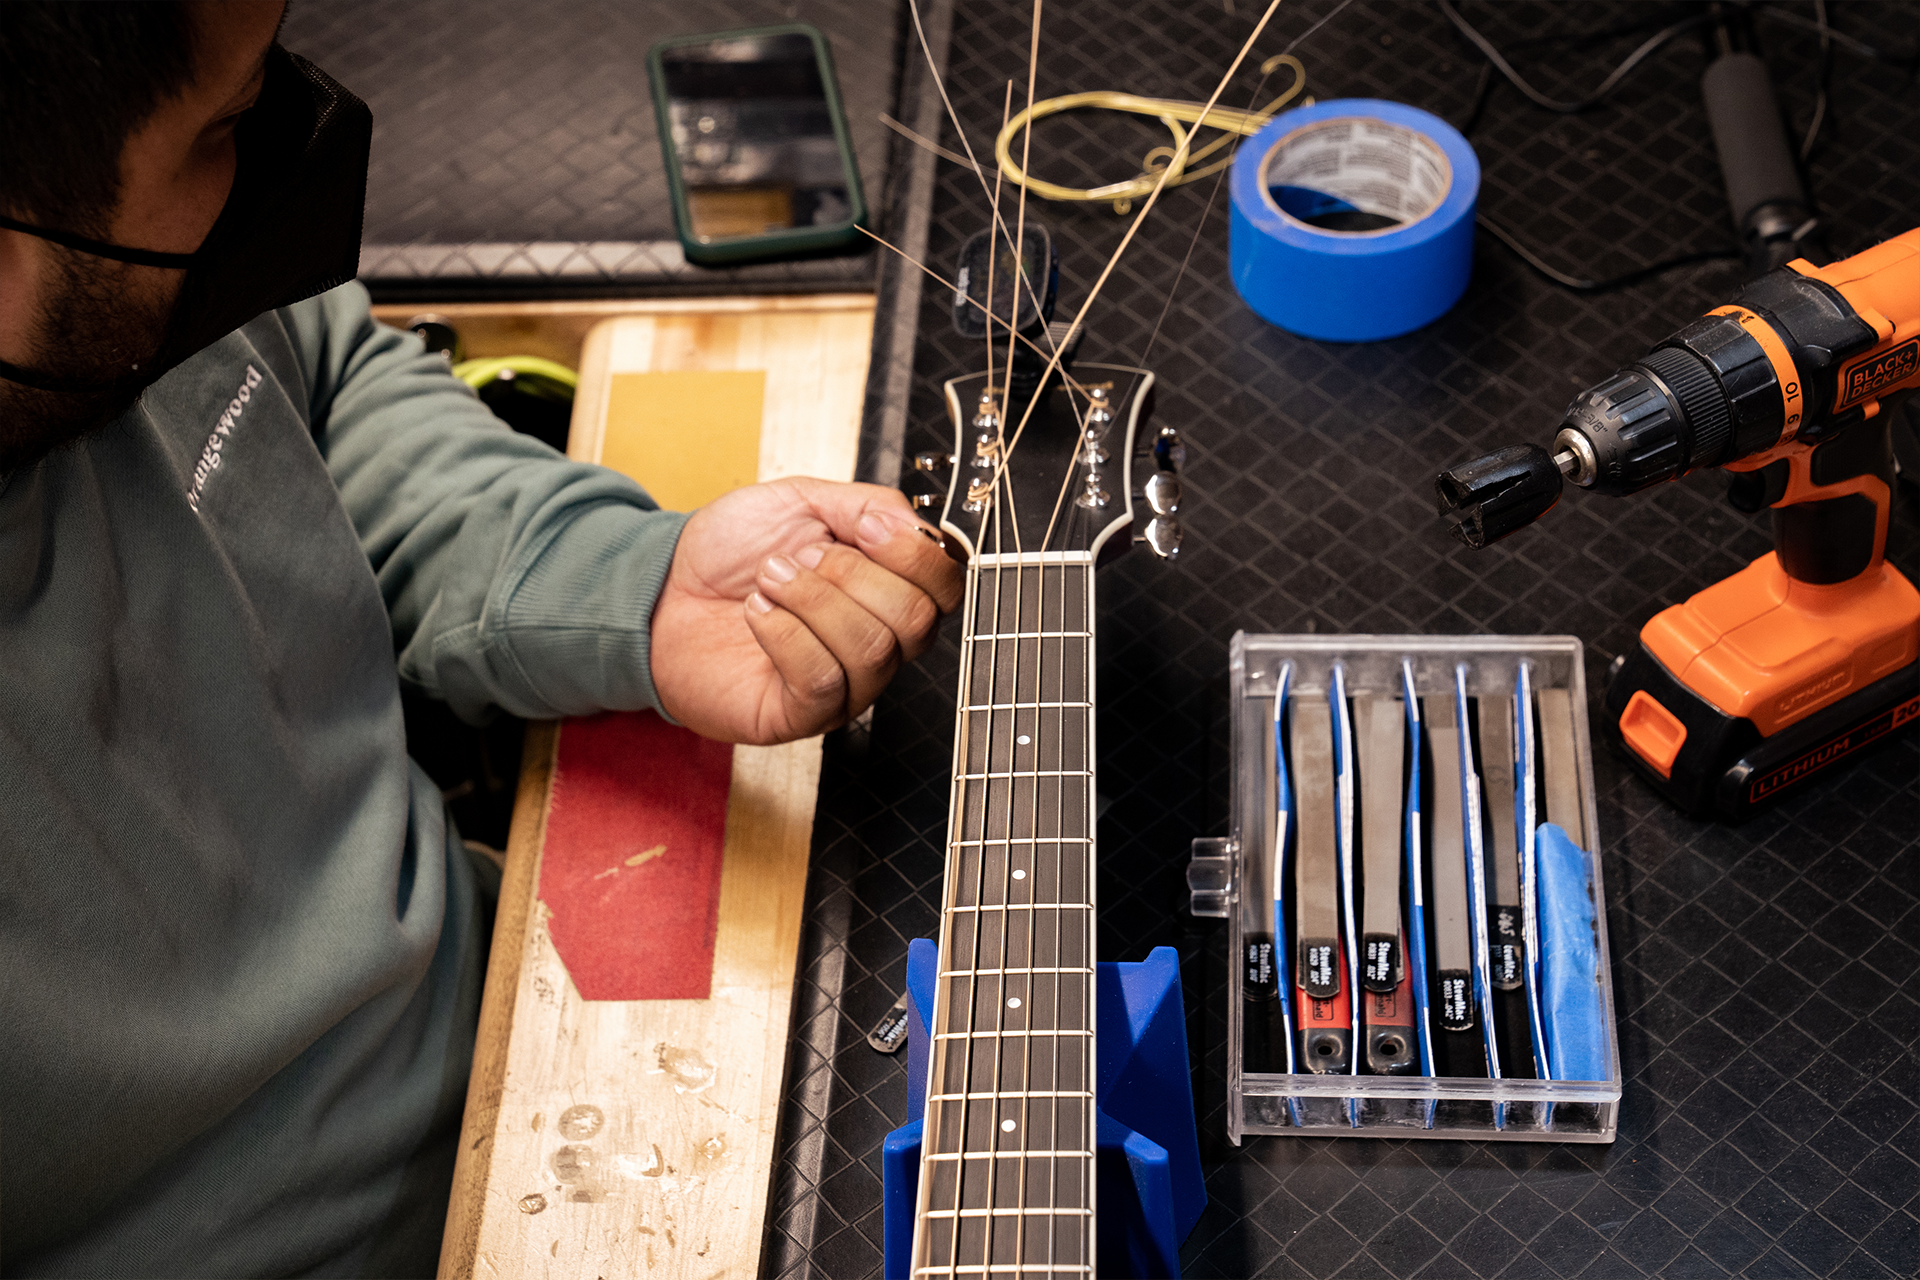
x,y
1007,1179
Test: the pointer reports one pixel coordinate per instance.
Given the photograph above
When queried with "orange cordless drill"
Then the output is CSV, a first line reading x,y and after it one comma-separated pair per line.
x,y
1812,652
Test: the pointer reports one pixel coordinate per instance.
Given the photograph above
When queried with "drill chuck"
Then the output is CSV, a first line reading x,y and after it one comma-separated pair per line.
x,y
1658,418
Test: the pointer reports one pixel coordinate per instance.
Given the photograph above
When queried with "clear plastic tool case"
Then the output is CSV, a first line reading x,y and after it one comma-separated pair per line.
x,y
1486,1045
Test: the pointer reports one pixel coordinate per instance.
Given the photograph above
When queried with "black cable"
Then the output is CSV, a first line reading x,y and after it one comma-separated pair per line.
x,y
1910,60
1575,283
1819,83
1483,91
1607,86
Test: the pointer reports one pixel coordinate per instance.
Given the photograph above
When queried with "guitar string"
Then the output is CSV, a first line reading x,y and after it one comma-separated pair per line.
x,y
1019,602
1004,518
956,878
1059,896
1004,454
1020,1095
1020,260
938,1066
1066,378
1266,74
965,1102
993,245
998,223
1153,198
1001,514
1021,278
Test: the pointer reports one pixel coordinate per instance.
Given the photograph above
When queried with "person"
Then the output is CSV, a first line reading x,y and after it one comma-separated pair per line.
x,y
240,943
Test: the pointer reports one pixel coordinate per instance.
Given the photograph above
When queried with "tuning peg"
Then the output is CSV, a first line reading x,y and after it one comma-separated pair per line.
x,y
924,501
1163,493
932,463
1162,537
1169,454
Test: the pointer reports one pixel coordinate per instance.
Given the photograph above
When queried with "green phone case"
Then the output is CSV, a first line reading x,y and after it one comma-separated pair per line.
x,y
795,242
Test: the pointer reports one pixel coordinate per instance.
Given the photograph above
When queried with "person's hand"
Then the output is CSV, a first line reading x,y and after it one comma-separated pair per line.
x,y
791,604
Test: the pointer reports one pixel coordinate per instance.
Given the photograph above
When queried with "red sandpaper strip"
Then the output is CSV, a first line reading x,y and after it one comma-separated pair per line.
x,y
631,869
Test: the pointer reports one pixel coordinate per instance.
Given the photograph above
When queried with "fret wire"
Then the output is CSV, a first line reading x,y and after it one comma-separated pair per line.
x,y
961,1268
1032,773
1026,706
1006,1268
1021,1093
995,1035
1027,906
1034,635
1010,1212
1009,1155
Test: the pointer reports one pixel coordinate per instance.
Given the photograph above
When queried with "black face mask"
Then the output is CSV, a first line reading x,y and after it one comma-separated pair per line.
x,y
290,227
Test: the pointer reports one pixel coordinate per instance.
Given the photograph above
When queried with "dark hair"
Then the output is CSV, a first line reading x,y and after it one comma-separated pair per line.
x,y
75,81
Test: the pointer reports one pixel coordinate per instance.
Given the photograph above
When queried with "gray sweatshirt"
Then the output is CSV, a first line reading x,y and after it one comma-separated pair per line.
x,y
240,944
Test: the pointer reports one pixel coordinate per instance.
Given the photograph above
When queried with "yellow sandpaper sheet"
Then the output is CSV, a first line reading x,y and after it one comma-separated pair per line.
x,y
687,435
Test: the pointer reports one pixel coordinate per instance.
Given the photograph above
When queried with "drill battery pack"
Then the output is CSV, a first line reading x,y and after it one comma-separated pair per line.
x,y
1709,763
1765,681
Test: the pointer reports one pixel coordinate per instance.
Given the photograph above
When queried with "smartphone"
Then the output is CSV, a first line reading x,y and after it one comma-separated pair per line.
x,y
758,157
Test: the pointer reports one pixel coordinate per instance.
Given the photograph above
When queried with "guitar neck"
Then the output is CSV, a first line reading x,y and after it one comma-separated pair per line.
x,y
1007,1179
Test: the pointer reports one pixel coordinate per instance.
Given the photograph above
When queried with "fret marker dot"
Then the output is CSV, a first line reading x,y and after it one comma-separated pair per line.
x,y
1006,1126
1023,740
1019,875
1013,1002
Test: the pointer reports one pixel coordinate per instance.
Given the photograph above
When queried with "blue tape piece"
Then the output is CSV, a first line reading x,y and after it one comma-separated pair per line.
x,y
1349,286
1570,965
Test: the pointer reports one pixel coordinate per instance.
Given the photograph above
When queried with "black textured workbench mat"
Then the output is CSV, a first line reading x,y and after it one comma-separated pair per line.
x,y
1762,972
514,144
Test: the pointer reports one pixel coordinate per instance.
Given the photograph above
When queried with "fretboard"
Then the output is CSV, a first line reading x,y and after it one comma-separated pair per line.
x,y
1007,1168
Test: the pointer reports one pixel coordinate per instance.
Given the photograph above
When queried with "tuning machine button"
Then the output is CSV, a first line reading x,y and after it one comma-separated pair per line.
x,y
1161,536
1162,493
1169,453
932,464
924,501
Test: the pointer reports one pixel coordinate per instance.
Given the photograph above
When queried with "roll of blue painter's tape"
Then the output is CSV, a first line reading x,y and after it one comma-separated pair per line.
x,y
1352,219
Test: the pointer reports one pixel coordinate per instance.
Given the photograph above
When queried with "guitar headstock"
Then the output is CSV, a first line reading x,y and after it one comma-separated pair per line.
x,y
1049,464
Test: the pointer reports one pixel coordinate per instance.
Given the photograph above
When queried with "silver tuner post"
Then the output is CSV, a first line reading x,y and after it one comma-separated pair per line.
x,y
979,497
1162,493
1161,536
1099,418
924,501
1094,495
986,433
932,463
1169,453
